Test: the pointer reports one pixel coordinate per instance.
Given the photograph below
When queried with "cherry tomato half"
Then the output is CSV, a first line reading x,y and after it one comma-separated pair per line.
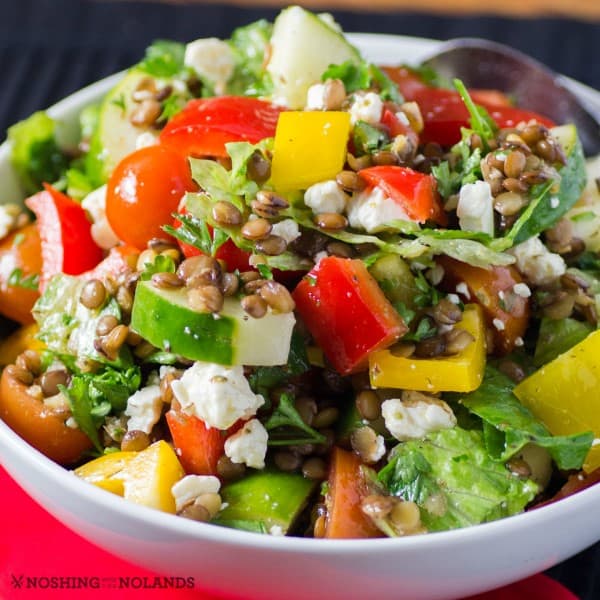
x,y
37,425
205,125
143,192
21,250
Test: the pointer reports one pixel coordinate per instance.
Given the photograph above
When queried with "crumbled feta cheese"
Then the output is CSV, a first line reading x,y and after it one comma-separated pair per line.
x,y
71,423
248,445
412,419
463,290
372,209
377,452
522,289
8,218
499,324
403,118
316,97
95,204
453,298
146,139
190,487
325,197
435,274
212,59
537,263
475,208
287,229
275,530
144,409
554,202
366,107
217,394
519,342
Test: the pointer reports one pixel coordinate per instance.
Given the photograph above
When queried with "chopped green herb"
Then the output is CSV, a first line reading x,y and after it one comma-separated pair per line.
x,y
29,282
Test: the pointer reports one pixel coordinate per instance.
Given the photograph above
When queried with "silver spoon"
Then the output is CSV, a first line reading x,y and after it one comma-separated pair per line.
x,y
484,64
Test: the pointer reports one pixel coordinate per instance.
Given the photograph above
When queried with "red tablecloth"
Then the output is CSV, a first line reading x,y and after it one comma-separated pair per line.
x,y
40,558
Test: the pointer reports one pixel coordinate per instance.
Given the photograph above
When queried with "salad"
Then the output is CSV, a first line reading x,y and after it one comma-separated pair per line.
x,y
278,288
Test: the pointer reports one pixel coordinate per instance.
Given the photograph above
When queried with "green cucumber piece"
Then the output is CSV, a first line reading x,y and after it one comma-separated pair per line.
x,y
303,45
395,279
232,337
115,136
263,500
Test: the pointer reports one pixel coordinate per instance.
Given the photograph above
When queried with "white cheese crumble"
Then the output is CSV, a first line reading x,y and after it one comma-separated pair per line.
x,y
102,233
276,530
316,97
212,59
499,324
366,107
217,394
453,298
537,263
410,420
475,208
325,197
372,209
377,452
146,139
463,289
144,408
522,290
190,487
248,445
519,342
287,229
554,202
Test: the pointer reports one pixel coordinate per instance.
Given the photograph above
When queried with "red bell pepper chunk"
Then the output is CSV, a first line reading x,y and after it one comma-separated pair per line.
x,y
205,125
346,312
415,192
347,488
65,233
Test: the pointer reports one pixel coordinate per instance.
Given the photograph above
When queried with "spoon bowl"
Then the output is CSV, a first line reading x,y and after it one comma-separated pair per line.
x,y
483,64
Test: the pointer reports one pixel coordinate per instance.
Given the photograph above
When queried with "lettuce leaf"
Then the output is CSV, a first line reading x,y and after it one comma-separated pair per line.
x,y
515,426
455,482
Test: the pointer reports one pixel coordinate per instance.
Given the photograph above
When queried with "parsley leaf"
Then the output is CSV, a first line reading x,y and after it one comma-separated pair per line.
x,y
286,415
18,279
163,58
195,232
367,139
161,264
480,120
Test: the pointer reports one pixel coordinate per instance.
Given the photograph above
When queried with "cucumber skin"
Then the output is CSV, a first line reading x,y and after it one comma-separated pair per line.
x,y
153,315
270,497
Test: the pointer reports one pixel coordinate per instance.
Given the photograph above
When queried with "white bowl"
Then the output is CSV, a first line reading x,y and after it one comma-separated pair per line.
x,y
244,565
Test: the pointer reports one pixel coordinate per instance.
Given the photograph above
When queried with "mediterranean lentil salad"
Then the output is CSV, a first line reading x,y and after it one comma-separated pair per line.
x,y
282,289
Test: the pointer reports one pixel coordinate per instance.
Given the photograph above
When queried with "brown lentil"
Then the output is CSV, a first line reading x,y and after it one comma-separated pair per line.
x,y
546,149
514,185
228,470
264,211
106,324
431,347
277,297
287,461
405,516
144,349
258,167
167,281
267,198
350,181
211,501
93,294
561,305
50,381
254,305
364,442
368,405
339,249
272,245
512,369
446,312
384,157
135,441
256,229
248,276
457,340
514,163
172,253
125,298
303,449
195,265
326,417
509,203
166,392
161,244
146,88
517,466
334,94
531,134
133,338
314,468
573,281
320,527
307,408
225,213
147,113
205,298
560,236
331,221
112,342
30,361
403,349
414,116
195,512
163,93
22,375
230,284
358,163
377,506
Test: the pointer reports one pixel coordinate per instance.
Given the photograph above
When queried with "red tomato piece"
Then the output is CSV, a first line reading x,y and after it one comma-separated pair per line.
x,y
415,192
492,289
205,125
22,250
144,191
346,312
65,233
346,490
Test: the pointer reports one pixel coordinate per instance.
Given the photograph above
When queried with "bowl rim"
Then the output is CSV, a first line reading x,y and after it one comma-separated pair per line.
x,y
35,461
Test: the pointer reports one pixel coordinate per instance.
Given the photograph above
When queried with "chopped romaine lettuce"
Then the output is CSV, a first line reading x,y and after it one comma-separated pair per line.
x,y
455,482
164,58
557,336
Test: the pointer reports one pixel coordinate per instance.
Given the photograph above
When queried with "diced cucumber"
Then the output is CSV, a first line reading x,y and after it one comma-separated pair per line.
x,y
232,337
395,279
265,500
303,45
566,136
115,136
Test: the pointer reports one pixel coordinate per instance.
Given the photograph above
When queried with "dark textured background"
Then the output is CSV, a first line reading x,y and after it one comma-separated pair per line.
x,y
50,48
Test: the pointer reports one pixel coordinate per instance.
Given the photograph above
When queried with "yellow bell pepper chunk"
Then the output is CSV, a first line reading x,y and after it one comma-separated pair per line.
x,y
19,341
309,147
144,477
564,394
462,372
